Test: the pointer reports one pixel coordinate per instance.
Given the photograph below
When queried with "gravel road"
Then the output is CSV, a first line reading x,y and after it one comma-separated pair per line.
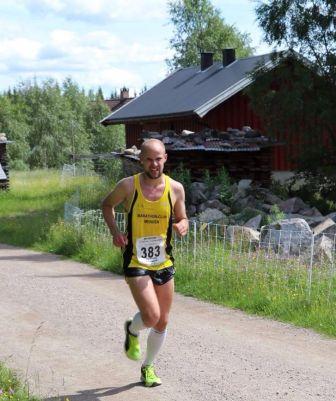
x,y
61,327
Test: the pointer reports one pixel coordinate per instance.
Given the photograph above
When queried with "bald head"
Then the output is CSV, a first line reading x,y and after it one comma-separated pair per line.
x,y
152,144
153,157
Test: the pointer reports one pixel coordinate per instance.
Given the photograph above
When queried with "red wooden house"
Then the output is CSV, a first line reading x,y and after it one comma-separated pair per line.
x,y
210,95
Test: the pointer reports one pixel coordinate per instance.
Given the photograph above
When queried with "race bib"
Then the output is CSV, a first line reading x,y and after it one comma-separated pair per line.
x,y
150,251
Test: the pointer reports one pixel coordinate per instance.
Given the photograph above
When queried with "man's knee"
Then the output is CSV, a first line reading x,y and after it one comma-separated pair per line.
x,y
150,317
162,323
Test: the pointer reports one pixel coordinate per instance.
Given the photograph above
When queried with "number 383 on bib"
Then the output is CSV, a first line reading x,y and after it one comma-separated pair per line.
x,y
151,250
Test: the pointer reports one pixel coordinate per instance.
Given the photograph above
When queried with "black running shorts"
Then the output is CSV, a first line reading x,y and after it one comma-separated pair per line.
x,y
159,277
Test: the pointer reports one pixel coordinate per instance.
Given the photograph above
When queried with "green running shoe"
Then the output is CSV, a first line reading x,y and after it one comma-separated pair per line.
x,y
148,376
131,346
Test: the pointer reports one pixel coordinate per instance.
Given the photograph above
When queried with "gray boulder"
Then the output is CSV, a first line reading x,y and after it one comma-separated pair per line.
x,y
332,216
292,205
241,234
197,193
324,249
210,215
248,201
191,210
244,184
216,204
311,212
287,237
254,222
327,227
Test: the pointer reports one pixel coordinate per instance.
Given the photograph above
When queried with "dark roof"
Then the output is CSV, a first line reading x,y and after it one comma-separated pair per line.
x,y
190,91
114,104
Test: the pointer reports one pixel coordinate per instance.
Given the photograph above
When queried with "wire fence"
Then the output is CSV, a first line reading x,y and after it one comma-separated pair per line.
x,y
269,261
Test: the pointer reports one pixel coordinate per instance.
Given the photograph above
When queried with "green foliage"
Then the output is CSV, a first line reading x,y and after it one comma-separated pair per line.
x,y
198,26
182,175
11,388
224,181
317,188
280,189
221,179
48,123
275,215
296,98
80,244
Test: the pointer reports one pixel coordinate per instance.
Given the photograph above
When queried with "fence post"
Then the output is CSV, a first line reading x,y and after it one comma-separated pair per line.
x,y
310,270
195,240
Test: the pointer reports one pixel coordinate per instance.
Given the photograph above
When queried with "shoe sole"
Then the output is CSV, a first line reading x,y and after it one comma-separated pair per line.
x,y
126,325
149,384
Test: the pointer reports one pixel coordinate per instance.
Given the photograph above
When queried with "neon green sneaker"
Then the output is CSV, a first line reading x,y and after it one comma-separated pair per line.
x,y
148,376
131,346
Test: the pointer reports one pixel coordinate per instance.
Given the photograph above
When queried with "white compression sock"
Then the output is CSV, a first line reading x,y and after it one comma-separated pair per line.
x,y
137,324
154,343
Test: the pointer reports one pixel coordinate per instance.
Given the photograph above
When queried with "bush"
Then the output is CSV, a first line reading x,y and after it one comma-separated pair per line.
x,y
275,215
318,190
182,175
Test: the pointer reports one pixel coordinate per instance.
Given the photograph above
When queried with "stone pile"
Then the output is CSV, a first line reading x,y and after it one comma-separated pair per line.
x,y
299,229
231,139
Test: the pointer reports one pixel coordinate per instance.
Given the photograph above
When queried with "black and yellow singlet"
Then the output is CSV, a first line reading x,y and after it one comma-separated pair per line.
x,y
149,230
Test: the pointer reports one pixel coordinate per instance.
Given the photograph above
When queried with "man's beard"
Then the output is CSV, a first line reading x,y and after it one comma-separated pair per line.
x,y
148,175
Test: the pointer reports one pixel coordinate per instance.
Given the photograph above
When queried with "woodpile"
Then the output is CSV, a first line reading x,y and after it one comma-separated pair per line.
x,y
244,153
4,178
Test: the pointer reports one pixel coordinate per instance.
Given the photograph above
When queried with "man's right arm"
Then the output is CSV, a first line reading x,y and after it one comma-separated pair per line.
x,y
113,199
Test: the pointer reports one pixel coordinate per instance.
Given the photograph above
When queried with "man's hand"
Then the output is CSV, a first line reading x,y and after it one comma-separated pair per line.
x,y
181,227
120,240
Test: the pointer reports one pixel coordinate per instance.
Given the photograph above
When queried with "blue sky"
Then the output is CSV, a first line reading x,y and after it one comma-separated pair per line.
x,y
107,43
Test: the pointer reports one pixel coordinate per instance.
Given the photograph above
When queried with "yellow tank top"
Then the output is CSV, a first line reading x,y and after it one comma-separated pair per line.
x,y
149,230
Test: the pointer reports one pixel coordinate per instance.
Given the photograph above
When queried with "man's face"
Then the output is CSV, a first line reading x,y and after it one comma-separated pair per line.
x,y
153,159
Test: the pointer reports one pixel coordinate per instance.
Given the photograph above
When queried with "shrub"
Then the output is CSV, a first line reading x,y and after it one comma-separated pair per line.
x,y
182,175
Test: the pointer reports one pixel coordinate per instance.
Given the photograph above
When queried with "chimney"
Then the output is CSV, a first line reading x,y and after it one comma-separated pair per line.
x,y
229,56
206,60
124,93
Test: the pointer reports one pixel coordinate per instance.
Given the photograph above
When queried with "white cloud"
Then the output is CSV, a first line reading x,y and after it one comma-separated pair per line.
x,y
100,10
20,48
96,58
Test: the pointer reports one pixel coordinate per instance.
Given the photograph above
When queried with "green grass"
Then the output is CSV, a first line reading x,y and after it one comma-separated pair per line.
x,y
11,388
35,202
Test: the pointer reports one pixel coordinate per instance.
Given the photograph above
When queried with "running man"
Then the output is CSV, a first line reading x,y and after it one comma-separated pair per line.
x,y
153,201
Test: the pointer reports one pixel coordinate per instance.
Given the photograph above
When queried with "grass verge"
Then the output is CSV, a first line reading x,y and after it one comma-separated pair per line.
x,y
11,388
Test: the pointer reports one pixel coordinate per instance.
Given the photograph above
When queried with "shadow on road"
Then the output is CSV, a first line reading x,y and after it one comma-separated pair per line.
x,y
96,394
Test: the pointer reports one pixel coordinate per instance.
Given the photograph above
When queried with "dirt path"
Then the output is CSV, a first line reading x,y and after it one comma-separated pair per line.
x,y
61,326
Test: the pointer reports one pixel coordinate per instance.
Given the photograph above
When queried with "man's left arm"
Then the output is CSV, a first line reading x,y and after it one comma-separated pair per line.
x,y
181,224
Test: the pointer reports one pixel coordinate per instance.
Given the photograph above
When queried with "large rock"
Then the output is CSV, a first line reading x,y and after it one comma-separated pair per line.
x,y
244,184
254,222
243,203
215,192
292,205
239,234
324,249
211,215
216,204
332,216
327,227
272,199
242,217
287,237
191,210
311,212
197,193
